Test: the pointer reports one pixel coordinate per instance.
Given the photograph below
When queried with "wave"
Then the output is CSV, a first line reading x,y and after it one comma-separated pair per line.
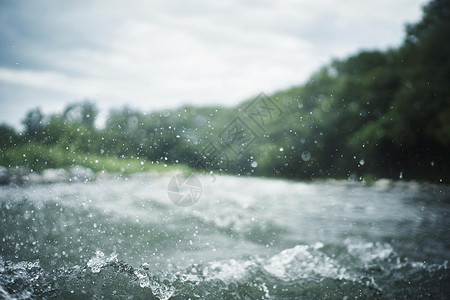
x,y
302,271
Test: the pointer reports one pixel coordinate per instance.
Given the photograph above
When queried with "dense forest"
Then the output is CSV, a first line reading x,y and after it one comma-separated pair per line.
x,y
376,114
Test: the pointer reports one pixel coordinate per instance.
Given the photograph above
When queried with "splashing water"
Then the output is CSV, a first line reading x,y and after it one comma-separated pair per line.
x,y
246,238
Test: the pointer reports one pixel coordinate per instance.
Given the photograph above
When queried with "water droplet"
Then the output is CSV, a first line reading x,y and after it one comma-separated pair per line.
x,y
281,149
306,155
254,164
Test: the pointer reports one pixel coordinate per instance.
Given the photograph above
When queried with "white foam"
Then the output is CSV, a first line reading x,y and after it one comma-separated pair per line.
x,y
303,262
369,252
228,271
97,262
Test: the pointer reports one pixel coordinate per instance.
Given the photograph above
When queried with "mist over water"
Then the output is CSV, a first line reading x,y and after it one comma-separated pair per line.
x,y
245,238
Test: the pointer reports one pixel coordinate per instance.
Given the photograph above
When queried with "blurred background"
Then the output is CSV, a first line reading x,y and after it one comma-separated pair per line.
x,y
361,87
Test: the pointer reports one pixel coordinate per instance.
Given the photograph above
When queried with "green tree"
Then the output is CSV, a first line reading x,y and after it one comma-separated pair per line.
x,y
33,122
83,113
8,136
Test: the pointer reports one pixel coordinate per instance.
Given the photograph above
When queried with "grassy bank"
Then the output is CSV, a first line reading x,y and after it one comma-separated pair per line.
x,y
38,157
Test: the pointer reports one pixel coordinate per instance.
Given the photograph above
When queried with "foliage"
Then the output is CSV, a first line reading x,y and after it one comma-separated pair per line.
x,y
375,114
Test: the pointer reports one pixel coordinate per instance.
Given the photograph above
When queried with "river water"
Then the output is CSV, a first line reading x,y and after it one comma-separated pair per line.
x,y
245,238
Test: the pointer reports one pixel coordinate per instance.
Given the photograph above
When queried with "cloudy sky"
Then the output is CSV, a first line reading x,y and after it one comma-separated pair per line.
x,y
162,54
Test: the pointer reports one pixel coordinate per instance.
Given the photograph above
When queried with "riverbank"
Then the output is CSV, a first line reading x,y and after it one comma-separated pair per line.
x,y
22,175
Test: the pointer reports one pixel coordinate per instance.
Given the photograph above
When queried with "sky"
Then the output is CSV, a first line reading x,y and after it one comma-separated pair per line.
x,y
153,55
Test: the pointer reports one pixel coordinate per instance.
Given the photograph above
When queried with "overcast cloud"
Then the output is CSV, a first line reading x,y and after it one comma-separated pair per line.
x,y
152,55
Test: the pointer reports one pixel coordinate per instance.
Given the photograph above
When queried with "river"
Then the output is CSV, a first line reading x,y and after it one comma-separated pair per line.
x,y
245,238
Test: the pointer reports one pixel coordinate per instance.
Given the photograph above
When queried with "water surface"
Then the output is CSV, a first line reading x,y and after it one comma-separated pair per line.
x,y
246,238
